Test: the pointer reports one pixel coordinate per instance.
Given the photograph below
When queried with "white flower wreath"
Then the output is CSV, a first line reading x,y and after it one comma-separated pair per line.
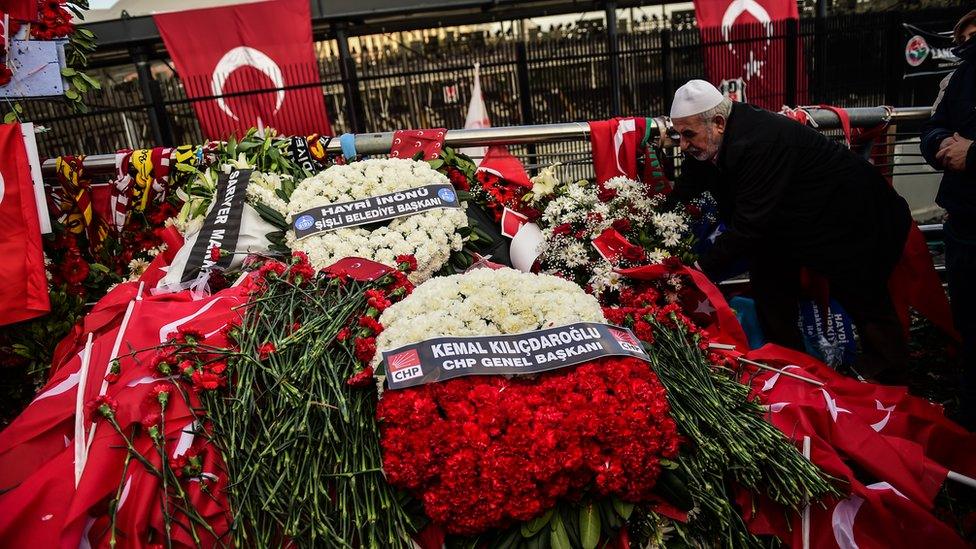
x,y
484,302
429,236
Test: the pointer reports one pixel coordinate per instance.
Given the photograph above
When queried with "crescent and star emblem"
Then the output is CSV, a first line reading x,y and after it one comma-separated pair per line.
x,y
244,56
736,9
3,188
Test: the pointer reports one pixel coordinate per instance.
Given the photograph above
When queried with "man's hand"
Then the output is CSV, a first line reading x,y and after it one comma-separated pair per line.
x,y
952,152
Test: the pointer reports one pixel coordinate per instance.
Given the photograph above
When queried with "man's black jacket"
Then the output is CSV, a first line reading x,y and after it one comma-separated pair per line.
x,y
785,189
956,112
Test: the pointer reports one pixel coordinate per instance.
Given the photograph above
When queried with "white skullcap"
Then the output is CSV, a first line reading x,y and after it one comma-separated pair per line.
x,y
695,97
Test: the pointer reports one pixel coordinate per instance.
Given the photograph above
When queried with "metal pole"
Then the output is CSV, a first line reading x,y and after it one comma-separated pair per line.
x,y
819,52
379,143
614,53
789,68
350,81
667,76
152,97
525,94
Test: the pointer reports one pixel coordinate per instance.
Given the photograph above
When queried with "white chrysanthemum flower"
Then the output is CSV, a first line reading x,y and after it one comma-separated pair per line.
x,y
484,302
429,236
136,268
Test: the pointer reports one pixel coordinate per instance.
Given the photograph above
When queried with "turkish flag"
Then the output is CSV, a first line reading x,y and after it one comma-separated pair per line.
x,y
745,39
233,49
23,294
615,146
21,10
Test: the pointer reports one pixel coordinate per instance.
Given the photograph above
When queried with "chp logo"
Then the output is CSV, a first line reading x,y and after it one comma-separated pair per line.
x,y
626,340
916,51
403,366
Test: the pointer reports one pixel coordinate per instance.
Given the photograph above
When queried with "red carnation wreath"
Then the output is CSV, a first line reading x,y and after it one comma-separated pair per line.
x,y
483,452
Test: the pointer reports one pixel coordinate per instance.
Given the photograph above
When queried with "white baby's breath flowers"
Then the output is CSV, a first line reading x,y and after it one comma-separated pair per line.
x,y
429,236
484,302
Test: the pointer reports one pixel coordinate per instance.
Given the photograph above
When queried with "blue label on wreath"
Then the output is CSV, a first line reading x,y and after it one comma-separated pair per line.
x,y
828,335
447,195
304,222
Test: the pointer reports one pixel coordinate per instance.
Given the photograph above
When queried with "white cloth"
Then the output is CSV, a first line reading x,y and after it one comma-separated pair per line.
x,y
695,97
251,239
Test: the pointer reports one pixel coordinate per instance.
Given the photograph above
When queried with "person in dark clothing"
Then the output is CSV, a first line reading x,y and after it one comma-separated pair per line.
x,y
947,144
792,198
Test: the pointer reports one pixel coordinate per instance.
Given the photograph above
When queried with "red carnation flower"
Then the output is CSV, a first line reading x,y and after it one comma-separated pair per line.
x,y
365,348
376,300
217,367
190,336
621,225
266,350
160,393
605,194
215,254
362,379
371,324
562,228
206,381
103,405
343,334
407,263
301,272
5,74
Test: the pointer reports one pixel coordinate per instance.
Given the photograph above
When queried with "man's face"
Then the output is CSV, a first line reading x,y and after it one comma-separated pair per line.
x,y
698,138
968,32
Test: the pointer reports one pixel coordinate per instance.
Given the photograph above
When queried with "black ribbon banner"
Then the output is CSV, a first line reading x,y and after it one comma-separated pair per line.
x,y
222,226
446,358
298,149
374,209
928,52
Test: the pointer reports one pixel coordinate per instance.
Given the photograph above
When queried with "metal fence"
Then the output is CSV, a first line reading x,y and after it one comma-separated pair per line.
x,y
563,74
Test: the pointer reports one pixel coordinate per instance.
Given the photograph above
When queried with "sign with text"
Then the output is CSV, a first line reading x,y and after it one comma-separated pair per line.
x,y
928,52
374,209
221,227
444,358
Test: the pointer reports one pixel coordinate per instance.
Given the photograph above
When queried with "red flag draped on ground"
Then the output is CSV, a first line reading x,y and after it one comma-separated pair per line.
x,y
23,294
38,451
745,43
256,46
902,443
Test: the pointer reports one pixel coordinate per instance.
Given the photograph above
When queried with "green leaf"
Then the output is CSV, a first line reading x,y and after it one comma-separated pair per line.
x,y
435,163
9,117
68,71
99,267
623,508
95,84
589,525
71,94
79,84
533,526
557,533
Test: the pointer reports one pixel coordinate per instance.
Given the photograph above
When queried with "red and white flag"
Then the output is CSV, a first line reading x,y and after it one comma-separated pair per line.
x,y
745,44
233,49
499,162
23,294
477,115
615,145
